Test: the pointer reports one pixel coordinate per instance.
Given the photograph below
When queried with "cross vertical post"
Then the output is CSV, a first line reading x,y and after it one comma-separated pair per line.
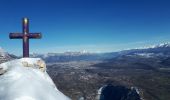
x,y
25,35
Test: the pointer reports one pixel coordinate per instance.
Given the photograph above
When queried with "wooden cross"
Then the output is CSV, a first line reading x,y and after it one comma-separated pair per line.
x,y
25,36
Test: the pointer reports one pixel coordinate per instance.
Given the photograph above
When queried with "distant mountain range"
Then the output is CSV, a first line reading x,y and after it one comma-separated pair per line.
x,y
161,50
74,56
155,58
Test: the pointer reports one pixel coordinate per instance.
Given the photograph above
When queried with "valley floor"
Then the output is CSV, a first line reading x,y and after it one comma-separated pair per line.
x,y
84,78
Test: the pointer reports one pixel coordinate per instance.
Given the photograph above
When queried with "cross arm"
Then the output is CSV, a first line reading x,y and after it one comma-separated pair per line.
x,y
35,35
15,35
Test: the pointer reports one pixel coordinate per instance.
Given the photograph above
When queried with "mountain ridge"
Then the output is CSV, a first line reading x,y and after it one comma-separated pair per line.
x,y
155,50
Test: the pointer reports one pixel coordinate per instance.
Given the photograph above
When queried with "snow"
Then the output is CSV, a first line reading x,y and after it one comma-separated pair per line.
x,y
148,55
161,45
99,92
26,79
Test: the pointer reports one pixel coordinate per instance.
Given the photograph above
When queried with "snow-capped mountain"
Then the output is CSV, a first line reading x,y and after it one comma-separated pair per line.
x,y
161,45
26,79
5,56
154,50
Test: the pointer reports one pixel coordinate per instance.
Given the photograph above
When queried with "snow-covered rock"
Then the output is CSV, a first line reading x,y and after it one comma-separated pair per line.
x,y
26,79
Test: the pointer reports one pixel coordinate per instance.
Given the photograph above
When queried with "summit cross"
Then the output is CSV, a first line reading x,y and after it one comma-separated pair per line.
x,y
25,35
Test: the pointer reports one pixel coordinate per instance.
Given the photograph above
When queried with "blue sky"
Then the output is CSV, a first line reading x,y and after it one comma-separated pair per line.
x,y
92,25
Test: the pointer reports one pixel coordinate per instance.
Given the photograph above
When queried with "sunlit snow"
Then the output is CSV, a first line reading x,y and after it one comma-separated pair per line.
x,y
26,79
